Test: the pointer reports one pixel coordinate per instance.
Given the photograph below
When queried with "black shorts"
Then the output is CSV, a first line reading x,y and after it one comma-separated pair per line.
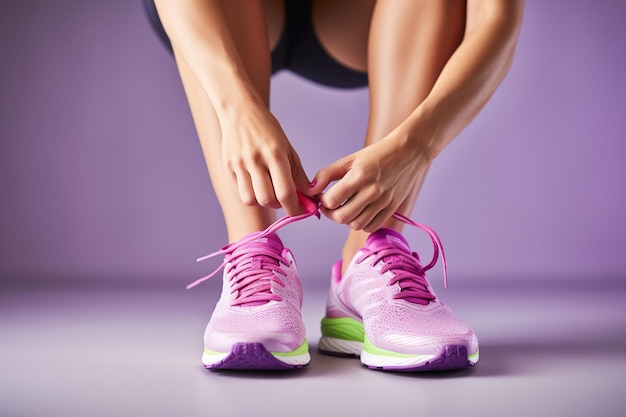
x,y
298,50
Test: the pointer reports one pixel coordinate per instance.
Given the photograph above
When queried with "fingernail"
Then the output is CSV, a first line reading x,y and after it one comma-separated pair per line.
x,y
313,183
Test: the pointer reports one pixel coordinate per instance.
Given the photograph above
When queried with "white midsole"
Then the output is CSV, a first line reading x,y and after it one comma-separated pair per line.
x,y
213,358
330,344
294,360
346,347
384,361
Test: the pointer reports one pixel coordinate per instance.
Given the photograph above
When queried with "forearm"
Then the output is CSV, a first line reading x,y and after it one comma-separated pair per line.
x,y
470,77
200,35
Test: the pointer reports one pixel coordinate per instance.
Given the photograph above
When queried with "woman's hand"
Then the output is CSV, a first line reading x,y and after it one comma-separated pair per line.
x,y
256,154
260,160
371,183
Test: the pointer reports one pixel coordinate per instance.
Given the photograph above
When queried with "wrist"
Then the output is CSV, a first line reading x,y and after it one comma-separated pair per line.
x,y
422,136
231,91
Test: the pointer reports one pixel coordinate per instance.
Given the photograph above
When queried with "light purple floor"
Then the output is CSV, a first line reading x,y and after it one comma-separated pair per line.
x,y
135,351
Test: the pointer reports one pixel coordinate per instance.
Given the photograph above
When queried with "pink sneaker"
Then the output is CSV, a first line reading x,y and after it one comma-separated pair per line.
x,y
384,310
256,324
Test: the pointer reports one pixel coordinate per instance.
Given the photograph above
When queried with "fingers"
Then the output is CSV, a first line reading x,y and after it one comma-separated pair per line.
x,y
365,210
359,198
289,177
333,172
244,186
263,188
285,191
300,179
253,184
273,187
351,181
377,221
355,200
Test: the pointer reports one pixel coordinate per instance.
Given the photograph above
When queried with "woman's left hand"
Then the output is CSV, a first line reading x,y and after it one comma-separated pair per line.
x,y
371,183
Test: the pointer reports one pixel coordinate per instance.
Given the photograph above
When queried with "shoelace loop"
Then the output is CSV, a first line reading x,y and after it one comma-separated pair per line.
x,y
437,246
313,209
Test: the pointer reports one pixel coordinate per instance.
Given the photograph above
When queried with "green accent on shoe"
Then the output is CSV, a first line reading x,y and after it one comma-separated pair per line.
x,y
343,328
304,348
473,356
373,350
212,352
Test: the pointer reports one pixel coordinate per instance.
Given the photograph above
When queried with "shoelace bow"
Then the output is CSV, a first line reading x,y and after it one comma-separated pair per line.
x,y
254,286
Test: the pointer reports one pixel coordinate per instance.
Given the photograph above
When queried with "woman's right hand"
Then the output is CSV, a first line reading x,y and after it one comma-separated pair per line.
x,y
260,159
256,153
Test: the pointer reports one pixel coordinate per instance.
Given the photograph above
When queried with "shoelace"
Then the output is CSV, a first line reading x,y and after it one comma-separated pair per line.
x,y
252,276
414,283
312,209
407,272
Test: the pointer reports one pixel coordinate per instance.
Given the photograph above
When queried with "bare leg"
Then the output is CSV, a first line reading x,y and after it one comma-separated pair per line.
x,y
409,43
249,29
343,29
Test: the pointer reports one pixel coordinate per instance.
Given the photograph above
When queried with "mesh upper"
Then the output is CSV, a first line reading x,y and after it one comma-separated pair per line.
x,y
398,325
276,324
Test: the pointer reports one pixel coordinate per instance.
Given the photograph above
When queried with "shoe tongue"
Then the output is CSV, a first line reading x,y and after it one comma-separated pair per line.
x,y
383,238
271,240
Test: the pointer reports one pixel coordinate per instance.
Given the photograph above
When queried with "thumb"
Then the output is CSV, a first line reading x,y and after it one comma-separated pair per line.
x,y
328,174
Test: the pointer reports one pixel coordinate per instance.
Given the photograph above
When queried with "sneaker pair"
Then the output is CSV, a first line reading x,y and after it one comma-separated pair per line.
x,y
382,309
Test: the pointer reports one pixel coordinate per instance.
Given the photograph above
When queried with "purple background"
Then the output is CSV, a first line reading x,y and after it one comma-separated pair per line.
x,y
101,175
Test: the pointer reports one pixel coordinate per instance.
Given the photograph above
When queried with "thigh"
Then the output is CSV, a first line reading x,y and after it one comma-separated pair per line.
x,y
274,11
342,27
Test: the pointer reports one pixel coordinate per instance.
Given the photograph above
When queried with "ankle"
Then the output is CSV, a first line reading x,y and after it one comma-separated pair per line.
x,y
241,223
355,241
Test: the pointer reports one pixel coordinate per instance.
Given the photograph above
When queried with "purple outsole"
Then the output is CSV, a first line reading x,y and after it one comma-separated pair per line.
x,y
452,357
252,357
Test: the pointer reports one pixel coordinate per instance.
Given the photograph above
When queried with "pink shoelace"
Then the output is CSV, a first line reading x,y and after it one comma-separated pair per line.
x,y
407,271
253,274
412,282
312,209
